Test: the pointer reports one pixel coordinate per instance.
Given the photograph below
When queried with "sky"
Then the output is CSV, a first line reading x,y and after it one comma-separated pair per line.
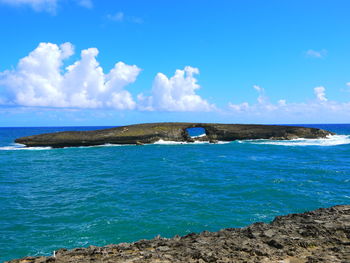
x,y
106,63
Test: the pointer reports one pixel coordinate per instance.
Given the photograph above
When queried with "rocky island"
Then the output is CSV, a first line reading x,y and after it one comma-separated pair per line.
x,y
153,132
322,235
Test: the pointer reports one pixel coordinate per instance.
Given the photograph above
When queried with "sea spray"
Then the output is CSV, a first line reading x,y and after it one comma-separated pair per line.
x,y
331,140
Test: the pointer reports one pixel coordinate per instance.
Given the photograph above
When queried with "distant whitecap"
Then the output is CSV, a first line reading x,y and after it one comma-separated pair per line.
x,y
21,148
331,140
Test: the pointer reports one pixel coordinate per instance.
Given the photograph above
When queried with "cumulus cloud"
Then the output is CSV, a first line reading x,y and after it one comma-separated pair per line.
x,y
177,93
316,54
320,93
40,80
262,106
317,108
262,102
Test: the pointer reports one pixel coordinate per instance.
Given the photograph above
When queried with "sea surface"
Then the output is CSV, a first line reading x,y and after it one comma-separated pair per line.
x,y
76,197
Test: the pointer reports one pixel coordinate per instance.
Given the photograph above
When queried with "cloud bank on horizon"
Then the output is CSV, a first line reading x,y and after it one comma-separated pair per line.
x,y
319,106
39,80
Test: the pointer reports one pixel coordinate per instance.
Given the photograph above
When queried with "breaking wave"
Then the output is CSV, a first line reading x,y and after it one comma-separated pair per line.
x,y
162,142
99,146
21,147
331,140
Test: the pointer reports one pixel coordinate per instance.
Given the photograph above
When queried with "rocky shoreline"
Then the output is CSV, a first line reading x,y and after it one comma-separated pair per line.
x,y
172,131
322,235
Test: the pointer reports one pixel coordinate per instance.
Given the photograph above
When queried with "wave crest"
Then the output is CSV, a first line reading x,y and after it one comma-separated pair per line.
x,y
162,142
20,147
331,140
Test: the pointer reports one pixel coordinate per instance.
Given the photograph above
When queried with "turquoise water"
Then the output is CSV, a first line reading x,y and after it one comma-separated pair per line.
x,y
54,198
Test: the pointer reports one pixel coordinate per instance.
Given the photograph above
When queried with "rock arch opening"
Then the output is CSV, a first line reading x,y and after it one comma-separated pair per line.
x,y
196,132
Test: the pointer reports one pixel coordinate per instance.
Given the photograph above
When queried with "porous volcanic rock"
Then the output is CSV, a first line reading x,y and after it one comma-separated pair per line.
x,y
151,132
322,235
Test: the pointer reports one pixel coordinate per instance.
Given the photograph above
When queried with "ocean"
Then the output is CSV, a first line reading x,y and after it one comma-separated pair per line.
x,y
81,196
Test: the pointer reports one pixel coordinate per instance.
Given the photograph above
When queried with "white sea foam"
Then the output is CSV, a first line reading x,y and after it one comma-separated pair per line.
x,y
110,145
16,146
223,142
331,140
162,142
198,136
100,145
21,147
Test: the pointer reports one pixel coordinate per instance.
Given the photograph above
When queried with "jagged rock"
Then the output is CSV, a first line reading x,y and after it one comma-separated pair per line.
x,y
152,132
322,235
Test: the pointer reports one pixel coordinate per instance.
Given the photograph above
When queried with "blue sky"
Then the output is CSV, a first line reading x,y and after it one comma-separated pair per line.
x,y
247,61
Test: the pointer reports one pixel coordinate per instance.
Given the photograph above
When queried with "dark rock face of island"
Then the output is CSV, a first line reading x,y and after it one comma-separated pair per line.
x,y
153,132
322,235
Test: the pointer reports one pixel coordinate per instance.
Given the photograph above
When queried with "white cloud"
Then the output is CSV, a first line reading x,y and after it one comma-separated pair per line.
x,y
86,3
316,109
39,80
320,93
44,5
262,103
258,88
37,5
118,17
175,94
316,54
282,103
261,98
121,17
239,107
262,106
